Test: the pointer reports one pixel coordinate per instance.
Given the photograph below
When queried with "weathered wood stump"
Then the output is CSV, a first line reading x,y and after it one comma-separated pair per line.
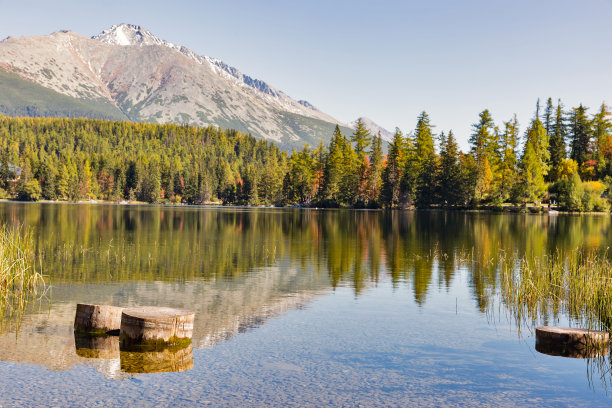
x,y
97,319
571,342
172,359
105,347
151,328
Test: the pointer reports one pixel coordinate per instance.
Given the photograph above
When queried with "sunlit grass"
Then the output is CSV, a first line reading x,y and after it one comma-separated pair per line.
x,y
20,280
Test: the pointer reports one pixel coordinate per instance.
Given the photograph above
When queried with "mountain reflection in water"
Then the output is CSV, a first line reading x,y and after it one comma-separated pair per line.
x,y
236,268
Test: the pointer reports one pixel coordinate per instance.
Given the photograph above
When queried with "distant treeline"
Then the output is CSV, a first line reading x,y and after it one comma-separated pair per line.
x,y
564,155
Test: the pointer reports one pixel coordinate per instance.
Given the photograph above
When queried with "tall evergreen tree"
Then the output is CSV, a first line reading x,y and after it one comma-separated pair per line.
x,y
533,162
485,150
426,161
394,170
557,143
602,129
549,116
449,176
375,170
509,170
580,134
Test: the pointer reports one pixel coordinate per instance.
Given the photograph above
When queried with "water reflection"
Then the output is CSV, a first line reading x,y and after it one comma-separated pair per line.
x,y
238,267
565,350
173,359
165,360
105,347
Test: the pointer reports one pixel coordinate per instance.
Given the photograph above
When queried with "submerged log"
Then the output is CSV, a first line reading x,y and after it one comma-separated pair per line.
x,y
150,328
571,342
97,319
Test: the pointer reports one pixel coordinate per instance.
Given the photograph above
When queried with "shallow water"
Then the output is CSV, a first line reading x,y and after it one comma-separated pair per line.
x,y
294,307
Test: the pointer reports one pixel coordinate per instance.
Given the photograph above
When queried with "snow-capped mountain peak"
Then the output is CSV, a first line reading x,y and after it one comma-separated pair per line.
x,y
130,34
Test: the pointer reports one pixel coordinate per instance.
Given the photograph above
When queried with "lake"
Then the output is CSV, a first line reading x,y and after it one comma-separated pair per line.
x,y
294,307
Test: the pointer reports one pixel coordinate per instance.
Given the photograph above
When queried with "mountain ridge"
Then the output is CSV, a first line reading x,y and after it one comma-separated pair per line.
x,y
152,80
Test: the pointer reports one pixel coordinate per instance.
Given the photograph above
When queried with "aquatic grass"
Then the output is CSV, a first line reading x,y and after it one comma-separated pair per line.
x,y
20,281
575,283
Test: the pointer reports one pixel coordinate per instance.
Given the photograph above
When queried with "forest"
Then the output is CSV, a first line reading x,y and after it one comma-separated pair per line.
x,y
564,156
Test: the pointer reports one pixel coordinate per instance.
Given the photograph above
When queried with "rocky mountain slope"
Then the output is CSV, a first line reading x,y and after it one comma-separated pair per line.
x,y
126,72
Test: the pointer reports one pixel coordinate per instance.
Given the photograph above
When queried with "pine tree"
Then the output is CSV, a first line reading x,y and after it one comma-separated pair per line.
x,y
361,138
375,170
548,116
602,129
449,177
580,134
394,170
485,150
509,169
533,163
332,173
557,143
426,162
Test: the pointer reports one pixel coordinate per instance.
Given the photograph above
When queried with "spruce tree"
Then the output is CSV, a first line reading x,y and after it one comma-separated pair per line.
x,y
485,150
533,162
426,162
548,116
557,143
449,176
375,170
393,172
602,129
509,170
580,134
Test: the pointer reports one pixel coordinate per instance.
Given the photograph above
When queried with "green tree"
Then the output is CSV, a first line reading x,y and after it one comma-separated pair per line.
x,y
509,167
394,170
485,149
580,134
533,163
426,162
602,128
557,143
449,177
375,170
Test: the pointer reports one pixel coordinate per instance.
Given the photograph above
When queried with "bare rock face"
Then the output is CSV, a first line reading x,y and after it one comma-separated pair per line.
x,y
152,80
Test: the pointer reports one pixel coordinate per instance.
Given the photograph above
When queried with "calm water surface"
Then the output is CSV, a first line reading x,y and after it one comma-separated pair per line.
x,y
294,307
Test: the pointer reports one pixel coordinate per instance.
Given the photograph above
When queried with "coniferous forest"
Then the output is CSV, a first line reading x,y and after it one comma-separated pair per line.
x,y
563,155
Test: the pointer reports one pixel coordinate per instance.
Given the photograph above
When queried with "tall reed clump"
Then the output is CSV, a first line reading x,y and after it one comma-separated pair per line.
x,y
20,281
574,283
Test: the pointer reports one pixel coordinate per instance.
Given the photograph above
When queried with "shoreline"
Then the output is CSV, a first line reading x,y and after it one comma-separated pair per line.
x,y
506,209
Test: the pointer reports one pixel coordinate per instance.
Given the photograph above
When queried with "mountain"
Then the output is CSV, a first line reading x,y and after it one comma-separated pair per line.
x,y
127,73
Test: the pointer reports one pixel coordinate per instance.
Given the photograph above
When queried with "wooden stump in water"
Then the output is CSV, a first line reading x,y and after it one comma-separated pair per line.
x,y
151,328
571,342
97,319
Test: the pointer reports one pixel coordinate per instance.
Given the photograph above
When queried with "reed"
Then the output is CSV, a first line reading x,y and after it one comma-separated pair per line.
x,y
575,284
20,281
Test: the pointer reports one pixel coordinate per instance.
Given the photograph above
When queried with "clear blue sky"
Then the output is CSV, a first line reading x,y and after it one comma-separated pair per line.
x,y
387,60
